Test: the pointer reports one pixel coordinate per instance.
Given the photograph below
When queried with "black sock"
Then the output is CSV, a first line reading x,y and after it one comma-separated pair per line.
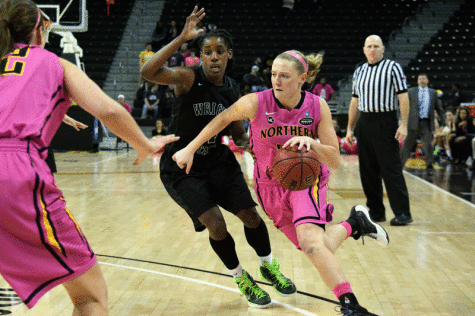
x,y
355,227
258,238
226,251
348,298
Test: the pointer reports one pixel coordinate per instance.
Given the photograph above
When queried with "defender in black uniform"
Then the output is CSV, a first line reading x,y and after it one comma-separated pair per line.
x,y
215,179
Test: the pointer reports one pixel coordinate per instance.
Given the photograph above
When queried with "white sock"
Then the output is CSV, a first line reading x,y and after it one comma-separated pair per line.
x,y
267,259
237,272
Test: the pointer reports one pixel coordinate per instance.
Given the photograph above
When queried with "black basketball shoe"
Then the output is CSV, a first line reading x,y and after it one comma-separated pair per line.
x,y
367,227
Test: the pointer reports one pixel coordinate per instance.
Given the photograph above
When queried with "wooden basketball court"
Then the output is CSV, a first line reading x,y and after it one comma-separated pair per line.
x,y
155,264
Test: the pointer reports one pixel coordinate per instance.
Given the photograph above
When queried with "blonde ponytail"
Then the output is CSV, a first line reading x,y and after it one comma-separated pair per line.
x,y
311,66
314,61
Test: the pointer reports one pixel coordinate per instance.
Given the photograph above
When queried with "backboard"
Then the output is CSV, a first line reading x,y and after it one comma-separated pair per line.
x,y
67,15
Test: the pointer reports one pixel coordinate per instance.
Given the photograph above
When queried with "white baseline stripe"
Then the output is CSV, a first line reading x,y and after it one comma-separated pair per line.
x,y
296,309
440,189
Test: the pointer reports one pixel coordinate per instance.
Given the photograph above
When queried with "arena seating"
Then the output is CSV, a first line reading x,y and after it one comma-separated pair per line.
x,y
338,28
449,58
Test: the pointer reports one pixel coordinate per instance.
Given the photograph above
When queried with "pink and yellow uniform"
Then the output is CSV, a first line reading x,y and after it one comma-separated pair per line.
x,y
271,128
41,245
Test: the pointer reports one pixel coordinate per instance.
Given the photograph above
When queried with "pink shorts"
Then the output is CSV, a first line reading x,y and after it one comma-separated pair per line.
x,y
41,245
288,209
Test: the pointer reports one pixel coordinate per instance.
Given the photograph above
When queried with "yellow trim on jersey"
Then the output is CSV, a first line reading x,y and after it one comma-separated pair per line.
x,y
75,223
49,229
327,192
315,191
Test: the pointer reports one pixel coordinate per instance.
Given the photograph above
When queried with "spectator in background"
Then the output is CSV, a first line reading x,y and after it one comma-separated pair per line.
x,y
121,100
167,105
160,129
144,56
442,136
254,80
151,101
159,36
456,96
192,59
173,31
423,103
178,58
324,90
267,67
258,62
140,95
461,143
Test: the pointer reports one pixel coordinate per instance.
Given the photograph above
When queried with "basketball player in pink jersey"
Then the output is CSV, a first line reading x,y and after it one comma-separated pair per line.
x,y
41,245
286,116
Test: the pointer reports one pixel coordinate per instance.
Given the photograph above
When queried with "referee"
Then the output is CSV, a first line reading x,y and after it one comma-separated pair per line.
x,y
377,87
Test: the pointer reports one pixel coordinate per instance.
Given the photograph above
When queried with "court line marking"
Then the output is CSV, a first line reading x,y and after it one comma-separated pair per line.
x,y
449,233
107,159
296,309
122,190
440,189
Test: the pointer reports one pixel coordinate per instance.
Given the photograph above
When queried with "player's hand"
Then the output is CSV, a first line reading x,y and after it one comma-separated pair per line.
x,y
349,137
401,133
301,141
184,158
155,145
72,122
189,30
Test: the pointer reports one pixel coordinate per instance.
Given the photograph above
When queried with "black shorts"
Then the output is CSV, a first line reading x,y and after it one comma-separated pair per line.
x,y
220,184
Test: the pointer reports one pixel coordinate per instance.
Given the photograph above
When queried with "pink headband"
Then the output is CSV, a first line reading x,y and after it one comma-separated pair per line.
x,y
299,59
37,22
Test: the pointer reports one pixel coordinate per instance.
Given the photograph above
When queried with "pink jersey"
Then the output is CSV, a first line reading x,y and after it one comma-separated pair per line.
x,y
41,244
32,106
274,125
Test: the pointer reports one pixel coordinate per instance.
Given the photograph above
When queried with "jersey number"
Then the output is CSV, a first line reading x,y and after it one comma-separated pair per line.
x,y
18,65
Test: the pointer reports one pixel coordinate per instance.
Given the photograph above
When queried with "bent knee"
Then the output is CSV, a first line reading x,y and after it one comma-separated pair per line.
x,y
311,245
249,217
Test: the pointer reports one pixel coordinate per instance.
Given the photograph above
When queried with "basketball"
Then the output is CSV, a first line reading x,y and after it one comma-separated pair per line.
x,y
295,169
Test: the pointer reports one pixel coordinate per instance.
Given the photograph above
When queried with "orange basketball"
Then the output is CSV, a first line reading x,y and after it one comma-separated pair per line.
x,y
295,169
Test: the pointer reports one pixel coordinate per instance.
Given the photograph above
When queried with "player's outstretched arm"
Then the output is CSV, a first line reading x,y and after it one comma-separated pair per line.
x,y
91,98
245,107
155,70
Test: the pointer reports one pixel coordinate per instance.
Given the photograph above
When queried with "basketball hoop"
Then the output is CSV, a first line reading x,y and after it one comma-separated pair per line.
x,y
48,25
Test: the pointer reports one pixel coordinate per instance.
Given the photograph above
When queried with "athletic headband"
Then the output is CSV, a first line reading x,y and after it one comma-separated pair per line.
x,y
37,22
291,53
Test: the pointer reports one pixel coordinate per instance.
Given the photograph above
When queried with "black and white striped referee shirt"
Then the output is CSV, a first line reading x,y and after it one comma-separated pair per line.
x,y
377,86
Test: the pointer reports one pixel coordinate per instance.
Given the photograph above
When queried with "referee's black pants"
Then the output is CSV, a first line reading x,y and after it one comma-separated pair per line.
x,y
378,154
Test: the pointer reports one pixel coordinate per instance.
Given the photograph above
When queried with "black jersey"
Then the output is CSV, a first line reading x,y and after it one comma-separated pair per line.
x,y
193,110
